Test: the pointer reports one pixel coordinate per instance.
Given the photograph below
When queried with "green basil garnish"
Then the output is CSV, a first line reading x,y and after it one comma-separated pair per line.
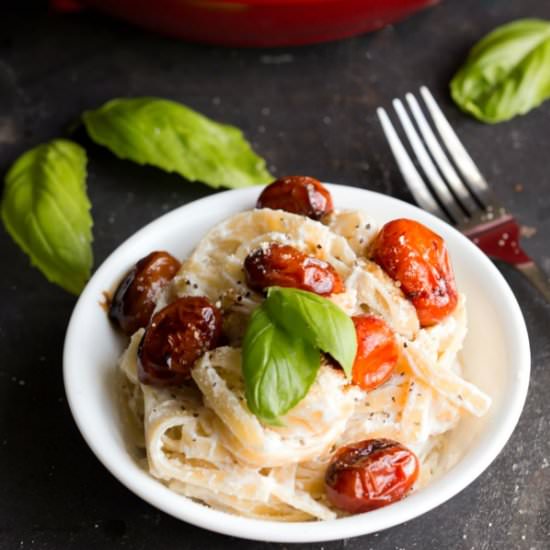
x,y
282,349
315,319
173,137
278,367
46,210
507,73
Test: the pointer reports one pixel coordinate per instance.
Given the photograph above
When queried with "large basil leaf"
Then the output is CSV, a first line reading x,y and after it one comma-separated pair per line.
x,y
507,73
281,348
46,210
173,137
315,319
278,367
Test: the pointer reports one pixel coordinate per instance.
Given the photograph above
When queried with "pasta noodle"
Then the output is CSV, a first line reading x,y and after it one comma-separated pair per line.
x,y
203,442
382,296
356,226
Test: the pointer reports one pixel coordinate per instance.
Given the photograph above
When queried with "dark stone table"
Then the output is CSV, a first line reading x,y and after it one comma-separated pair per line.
x,y
308,111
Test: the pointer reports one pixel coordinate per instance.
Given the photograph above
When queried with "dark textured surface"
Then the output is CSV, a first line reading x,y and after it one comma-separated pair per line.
x,y
309,111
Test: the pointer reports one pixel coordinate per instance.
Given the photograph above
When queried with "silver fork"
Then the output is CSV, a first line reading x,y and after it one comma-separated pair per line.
x,y
461,197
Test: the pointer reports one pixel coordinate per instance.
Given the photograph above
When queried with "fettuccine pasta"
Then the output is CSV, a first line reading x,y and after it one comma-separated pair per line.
x,y
202,440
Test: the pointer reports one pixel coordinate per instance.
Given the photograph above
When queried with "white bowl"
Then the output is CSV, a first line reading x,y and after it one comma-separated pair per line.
x,y
496,357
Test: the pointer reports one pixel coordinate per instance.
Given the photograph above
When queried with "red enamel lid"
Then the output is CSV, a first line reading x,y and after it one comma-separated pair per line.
x,y
255,22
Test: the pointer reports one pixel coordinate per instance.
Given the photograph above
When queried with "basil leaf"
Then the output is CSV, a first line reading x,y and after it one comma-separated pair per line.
x,y
46,210
507,73
315,319
278,367
175,138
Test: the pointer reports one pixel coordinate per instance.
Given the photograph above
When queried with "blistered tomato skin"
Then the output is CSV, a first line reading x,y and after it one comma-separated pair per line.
x,y
133,302
370,474
377,352
299,195
176,337
284,265
418,259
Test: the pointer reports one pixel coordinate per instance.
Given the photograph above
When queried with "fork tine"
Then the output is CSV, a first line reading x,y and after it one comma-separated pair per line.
x,y
459,154
412,178
452,178
438,185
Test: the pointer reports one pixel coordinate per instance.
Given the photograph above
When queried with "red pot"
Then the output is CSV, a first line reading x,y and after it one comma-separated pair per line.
x,y
255,22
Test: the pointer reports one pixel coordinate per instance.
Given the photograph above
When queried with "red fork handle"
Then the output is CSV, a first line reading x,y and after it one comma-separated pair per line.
x,y
500,241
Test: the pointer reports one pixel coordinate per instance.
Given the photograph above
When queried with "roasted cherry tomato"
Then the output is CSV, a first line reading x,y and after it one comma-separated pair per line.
x,y
283,265
175,338
299,195
133,302
377,352
370,474
418,259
